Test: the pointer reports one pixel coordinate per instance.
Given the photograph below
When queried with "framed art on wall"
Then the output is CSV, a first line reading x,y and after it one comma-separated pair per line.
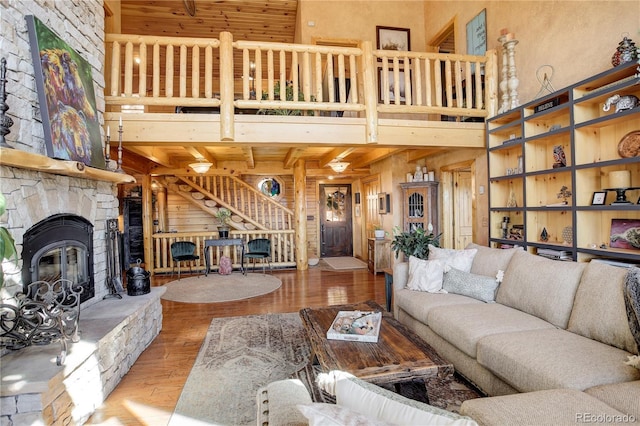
x,y
64,83
390,88
391,38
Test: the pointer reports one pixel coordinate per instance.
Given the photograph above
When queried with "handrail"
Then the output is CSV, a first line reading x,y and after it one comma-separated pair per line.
x,y
296,78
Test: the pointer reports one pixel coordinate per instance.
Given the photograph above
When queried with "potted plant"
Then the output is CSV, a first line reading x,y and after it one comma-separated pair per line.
x,y
414,243
223,215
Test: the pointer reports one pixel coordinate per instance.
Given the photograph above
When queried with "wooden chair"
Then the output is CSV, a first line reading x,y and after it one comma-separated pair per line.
x,y
182,251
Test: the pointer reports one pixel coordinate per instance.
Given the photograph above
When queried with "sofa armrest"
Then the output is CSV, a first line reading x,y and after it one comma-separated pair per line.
x,y
400,275
277,403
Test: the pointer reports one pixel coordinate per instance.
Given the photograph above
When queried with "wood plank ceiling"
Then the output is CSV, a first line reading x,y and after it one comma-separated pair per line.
x,y
255,20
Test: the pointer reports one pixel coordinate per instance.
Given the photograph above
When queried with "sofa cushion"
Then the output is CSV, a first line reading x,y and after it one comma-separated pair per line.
x,y
479,287
541,287
550,359
459,259
598,309
488,261
624,397
549,407
463,326
418,304
425,275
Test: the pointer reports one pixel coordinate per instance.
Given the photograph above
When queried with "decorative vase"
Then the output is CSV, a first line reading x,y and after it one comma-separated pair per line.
x,y
379,234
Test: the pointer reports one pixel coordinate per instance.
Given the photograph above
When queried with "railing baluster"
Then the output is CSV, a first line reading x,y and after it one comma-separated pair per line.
x,y
195,72
183,71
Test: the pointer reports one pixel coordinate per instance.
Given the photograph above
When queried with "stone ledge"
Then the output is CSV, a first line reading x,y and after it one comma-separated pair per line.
x,y
114,332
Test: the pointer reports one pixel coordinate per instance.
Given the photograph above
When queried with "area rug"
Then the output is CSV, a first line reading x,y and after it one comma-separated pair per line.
x,y
220,288
344,262
241,354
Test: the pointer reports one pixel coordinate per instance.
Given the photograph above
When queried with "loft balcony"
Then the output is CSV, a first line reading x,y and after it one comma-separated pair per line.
x,y
261,106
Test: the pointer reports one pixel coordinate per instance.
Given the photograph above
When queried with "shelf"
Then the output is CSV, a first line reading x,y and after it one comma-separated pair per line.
x,y
572,118
29,161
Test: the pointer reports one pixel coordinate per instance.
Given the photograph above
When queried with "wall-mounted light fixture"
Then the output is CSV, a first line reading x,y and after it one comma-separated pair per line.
x,y
338,166
201,166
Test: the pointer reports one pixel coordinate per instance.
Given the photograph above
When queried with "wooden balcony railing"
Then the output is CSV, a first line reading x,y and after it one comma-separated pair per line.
x,y
282,249
280,77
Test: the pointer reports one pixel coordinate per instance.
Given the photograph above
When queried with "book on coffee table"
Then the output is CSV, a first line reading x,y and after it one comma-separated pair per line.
x,y
356,326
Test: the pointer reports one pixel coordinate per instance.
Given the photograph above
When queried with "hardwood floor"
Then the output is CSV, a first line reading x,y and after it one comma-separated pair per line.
x,y
149,392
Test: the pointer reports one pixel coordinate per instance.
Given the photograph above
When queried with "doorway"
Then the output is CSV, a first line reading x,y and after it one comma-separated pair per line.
x,y
459,211
336,238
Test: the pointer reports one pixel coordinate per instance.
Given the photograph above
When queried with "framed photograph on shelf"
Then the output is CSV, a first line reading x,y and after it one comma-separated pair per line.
x,y
598,198
391,89
625,234
391,38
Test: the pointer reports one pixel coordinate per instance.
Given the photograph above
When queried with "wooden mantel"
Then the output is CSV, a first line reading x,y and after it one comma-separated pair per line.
x,y
30,161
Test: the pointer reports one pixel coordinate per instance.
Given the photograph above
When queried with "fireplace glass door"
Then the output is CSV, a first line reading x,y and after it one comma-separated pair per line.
x,y
66,260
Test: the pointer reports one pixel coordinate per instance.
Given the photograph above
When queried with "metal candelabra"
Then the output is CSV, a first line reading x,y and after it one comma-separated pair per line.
x,y
5,121
119,169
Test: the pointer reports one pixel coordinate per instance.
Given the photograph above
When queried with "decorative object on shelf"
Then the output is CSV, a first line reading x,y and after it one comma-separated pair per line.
x,y
564,194
418,176
620,179
512,202
621,102
559,157
378,231
625,52
409,177
512,82
545,86
567,235
544,235
5,121
598,198
520,164
516,233
621,194
119,167
625,234
505,226
415,243
432,176
629,145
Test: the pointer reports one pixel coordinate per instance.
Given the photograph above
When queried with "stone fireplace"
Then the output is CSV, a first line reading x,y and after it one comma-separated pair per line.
x,y
57,213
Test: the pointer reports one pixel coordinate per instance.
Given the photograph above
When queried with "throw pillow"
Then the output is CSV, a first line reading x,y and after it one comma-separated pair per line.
x,y
425,275
632,303
459,259
477,286
321,414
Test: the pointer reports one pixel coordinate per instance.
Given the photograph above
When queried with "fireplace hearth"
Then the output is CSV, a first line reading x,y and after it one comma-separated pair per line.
x,y
60,247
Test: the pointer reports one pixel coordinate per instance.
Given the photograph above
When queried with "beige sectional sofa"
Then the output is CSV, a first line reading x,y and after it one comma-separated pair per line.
x,y
557,331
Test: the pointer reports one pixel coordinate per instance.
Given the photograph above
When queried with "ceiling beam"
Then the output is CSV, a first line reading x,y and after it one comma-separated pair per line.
x,y
201,153
335,154
292,156
153,154
247,151
417,154
374,155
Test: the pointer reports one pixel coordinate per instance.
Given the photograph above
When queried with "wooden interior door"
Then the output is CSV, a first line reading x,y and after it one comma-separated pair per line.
x,y
336,236
463,212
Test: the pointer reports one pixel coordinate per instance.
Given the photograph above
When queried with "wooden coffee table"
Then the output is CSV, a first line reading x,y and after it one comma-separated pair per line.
x,y
400,355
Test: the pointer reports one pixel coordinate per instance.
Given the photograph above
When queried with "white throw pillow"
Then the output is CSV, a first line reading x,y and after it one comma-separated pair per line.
x,y
458,259
320,414
425,275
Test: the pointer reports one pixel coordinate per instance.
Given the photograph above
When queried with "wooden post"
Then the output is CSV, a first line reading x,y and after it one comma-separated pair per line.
x,y
491,82
226,87
147,221
300,214
163,218
370,91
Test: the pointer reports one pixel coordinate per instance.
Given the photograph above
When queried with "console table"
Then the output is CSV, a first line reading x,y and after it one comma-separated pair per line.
x,y
222,242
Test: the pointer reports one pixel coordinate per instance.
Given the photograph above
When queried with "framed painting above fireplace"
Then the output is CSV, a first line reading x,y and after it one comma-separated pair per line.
x,y
64,83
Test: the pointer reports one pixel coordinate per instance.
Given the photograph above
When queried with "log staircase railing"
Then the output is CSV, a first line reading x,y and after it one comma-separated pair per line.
x,y
243,200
